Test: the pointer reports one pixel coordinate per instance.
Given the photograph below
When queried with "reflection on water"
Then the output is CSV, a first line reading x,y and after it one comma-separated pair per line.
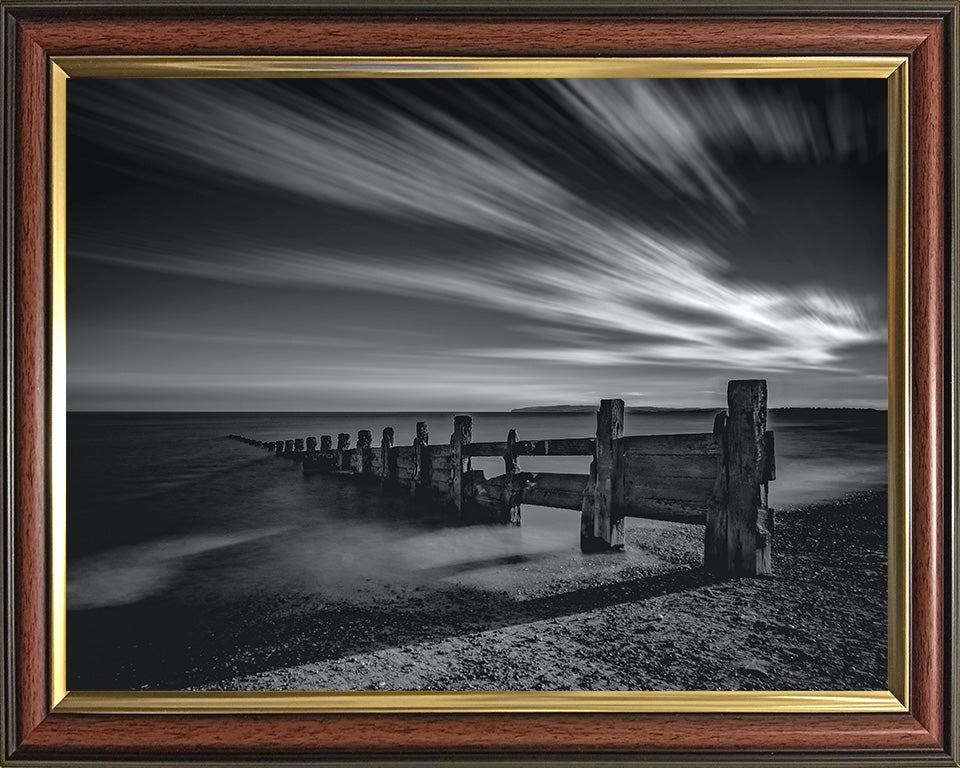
x,y
163,504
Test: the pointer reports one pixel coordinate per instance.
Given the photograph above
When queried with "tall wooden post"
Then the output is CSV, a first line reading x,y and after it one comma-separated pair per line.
x,y
326,444
601,526
343,445
738,530
388,462
361,461
288,448
459,460
311,444
278,448
511,502
421,457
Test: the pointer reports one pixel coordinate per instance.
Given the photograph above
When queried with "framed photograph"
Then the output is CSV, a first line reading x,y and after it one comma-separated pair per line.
x,y
465,383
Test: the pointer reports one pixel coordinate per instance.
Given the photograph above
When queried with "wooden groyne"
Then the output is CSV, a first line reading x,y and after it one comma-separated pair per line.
x,y
718,479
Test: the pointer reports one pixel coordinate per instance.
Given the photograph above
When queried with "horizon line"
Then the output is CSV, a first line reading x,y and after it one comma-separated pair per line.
x,y
521,409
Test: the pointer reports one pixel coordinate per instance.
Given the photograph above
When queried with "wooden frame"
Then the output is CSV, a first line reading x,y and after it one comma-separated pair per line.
x,y
924,32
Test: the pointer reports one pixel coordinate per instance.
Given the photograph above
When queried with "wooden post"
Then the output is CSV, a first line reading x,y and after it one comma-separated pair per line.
x,y
388,462
326,444
298,449
278,448
738,534
601,526
311,444
288,448
343,445
459,462
361,461
511,501
421,445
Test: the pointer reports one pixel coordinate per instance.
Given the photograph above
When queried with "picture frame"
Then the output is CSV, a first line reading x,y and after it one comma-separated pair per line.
x,y
916,721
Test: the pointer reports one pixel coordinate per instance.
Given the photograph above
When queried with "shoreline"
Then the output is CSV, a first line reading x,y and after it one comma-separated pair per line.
x,y
818,623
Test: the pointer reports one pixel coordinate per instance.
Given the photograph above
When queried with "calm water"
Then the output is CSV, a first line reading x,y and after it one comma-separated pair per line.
x,y
157,501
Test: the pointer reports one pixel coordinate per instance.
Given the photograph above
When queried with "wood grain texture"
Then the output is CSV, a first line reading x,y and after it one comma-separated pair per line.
x,y
425,36
425,734
927,164
30,388
43,737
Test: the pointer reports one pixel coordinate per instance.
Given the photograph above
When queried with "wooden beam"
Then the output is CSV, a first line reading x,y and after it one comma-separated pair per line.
x,y
551,489
574,446
671,445
693,512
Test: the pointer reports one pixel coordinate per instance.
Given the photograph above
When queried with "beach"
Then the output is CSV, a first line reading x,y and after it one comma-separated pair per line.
x,y
611,623
199,563
647,618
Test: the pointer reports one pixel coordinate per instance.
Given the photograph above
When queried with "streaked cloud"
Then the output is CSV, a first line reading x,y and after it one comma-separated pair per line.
x,y
590,282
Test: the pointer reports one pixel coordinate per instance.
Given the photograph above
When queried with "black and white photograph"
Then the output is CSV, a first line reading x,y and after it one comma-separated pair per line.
x,y
476,384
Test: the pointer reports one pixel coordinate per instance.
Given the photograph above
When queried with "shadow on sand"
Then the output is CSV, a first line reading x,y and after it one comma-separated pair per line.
x,y
156,645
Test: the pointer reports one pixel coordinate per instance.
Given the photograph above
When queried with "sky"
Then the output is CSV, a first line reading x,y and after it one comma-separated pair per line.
x,y
475,244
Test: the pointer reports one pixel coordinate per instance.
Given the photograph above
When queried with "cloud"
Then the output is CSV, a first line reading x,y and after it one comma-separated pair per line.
x,y
640,294
664,301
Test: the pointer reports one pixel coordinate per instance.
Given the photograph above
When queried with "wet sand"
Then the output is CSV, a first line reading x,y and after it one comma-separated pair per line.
x,y
645,619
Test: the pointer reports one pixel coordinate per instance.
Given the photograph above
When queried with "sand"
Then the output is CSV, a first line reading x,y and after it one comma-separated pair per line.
x,y
647,618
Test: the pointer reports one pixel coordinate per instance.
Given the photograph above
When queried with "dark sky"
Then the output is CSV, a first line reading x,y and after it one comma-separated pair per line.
x,y
365,244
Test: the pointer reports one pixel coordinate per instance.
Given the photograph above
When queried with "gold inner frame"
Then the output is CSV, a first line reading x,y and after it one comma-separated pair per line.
x,y
895,699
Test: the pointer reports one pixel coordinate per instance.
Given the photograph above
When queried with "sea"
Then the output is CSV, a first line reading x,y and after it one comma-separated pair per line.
x,y
162,507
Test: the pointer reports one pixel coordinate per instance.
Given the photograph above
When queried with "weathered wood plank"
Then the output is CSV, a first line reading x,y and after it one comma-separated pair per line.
x,y
421,445
665,509
676,489
440,451
388,464
738,529
405,462
360,461
478,450
550,489
568,446
601,527
574,446
459,441
705,444
343,445
511,512
674,466
442,463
